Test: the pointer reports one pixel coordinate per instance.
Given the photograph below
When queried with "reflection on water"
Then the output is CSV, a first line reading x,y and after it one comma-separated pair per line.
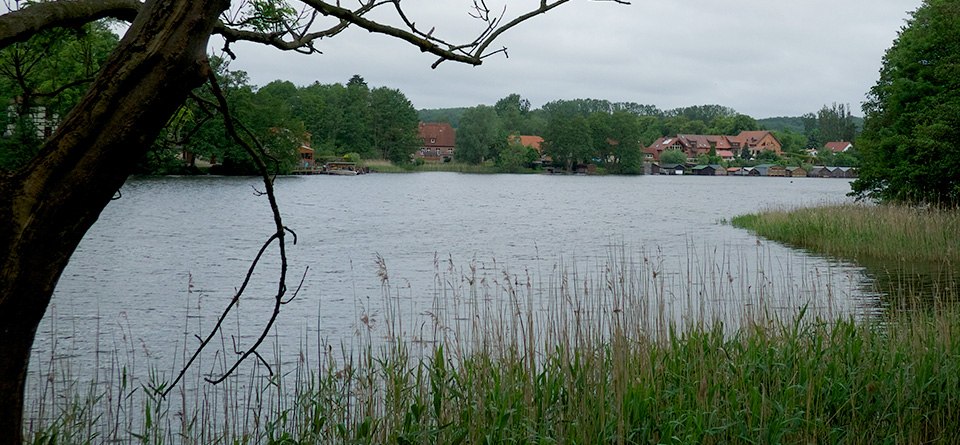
x,y
908,285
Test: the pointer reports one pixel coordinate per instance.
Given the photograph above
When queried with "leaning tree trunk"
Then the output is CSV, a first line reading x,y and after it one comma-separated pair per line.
x,y
46,208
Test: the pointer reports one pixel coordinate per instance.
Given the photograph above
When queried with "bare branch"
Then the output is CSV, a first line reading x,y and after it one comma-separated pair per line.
x,y
257,153
471,53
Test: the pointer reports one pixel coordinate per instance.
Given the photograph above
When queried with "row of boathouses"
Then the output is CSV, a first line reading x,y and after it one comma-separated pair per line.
x,y
818,171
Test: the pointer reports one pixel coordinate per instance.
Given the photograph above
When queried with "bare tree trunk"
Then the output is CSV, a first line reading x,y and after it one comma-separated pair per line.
x,y
47,207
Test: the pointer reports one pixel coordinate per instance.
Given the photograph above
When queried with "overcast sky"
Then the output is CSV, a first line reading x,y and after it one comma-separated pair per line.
x,y
763,58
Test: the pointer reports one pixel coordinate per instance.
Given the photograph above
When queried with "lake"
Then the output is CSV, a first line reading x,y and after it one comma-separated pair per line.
x,y
165,258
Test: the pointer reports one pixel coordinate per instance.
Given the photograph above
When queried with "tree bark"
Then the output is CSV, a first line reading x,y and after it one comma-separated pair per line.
x,y
47,207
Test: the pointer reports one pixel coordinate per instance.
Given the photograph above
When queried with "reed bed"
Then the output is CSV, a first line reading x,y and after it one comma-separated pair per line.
x,y
631,351
864,232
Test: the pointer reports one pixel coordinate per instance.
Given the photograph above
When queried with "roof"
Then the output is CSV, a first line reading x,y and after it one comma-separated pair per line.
x,y
704,141
752,137
534,142
838,146
437,134
715,167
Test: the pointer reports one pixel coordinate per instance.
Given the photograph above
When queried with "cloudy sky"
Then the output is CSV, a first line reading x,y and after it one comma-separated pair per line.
x,y
763,58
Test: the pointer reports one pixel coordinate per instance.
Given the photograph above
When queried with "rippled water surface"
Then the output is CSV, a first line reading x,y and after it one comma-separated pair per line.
x,y
164,259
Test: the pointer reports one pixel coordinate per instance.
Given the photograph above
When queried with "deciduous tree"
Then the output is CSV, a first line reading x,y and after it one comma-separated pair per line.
x,y
912,115
49,204
393,125
480,135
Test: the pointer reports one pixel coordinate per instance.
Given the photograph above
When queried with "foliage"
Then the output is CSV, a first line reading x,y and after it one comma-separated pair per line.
x,y
567,139
834,123
825,156
768,156
673,157
791,142
449,115
393,125
624,138
333,119
46,76
515,158
910,139
480,135
781,123
513,112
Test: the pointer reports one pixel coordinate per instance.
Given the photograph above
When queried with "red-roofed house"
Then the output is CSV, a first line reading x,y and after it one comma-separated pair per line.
x,y
534,142
439,141
838,146
756,142
726,147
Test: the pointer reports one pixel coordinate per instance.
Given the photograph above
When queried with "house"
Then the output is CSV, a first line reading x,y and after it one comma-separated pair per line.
x,y
306,161
838,147
726,147
726,155
534,142
771,170
850,172
44,120
709,170
841,172
756,142
439,140
818,171
667,169
692,145
796,172
736,171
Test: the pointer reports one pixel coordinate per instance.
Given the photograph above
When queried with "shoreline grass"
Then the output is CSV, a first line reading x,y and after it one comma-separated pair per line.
x,y
862,232
841,382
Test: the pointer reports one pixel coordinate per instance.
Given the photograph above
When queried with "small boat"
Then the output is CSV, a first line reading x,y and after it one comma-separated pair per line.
x,y
340,168
342,172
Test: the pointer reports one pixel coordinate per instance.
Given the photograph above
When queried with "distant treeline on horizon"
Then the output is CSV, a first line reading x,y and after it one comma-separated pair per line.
x,y
797,124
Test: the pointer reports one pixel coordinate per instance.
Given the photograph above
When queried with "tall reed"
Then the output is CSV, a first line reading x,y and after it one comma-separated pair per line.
x,y
864,232
633,350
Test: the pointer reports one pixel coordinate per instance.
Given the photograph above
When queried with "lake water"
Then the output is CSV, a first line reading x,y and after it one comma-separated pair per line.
x,y
165,258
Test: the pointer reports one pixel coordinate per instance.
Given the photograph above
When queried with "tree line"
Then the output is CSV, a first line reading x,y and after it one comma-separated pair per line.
x,y
43,78
337,120
611,135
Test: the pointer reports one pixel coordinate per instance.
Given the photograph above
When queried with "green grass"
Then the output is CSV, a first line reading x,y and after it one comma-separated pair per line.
x,y
841,382
864,232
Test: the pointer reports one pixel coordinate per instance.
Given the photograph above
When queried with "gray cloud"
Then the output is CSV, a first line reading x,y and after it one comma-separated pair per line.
x,y
763,58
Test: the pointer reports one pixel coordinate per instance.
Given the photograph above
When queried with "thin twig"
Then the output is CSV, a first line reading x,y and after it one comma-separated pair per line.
x,y
279,236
